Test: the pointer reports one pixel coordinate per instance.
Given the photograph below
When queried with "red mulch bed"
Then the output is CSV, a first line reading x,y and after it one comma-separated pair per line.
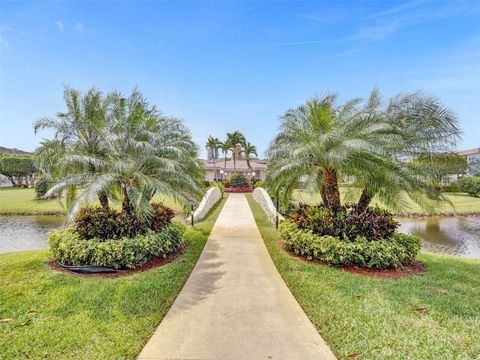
x,y
150,264
415,268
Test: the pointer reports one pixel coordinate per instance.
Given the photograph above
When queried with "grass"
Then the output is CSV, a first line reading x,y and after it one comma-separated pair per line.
x,y
376,318
55,315
462,202
19,201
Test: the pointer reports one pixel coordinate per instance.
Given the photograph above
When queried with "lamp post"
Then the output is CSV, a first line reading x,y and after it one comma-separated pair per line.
x,y
221,175
192,206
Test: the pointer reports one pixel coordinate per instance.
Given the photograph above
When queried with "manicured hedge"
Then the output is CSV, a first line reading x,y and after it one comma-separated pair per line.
x,y
396,251
68,248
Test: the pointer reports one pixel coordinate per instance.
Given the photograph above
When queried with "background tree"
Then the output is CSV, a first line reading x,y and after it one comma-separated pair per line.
x,y
236,140
249,150
225,147
18,169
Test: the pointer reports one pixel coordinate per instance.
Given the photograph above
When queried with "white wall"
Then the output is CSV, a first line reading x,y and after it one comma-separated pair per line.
x,y
211,197
262,198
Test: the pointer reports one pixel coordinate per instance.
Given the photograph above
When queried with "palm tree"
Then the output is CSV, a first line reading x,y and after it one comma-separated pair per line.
x,y
236,141
146,153
326,141
225,147
79,128
249,150
212,146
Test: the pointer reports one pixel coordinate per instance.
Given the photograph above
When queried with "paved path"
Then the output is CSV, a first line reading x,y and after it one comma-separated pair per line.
x,y
235,304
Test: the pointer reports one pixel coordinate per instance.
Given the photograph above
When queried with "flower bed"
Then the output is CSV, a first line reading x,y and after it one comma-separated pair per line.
x,y
396,251
69,248
239,189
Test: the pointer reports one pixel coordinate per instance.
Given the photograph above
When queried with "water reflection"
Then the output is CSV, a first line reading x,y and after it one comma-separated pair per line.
x,y
456,235
19,233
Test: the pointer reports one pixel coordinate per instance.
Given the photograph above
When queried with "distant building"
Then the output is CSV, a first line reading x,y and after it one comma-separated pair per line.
x,y
472,155
473,161
214,169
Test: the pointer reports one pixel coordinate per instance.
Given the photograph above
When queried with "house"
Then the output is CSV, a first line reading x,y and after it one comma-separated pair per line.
x,y
216,169
472,155
473,161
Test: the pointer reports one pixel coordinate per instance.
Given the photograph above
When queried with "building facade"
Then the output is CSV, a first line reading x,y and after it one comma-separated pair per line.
x,y
219,170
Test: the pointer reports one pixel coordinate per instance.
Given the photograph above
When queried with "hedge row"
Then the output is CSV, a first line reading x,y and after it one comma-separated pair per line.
x,y
68,248
397,251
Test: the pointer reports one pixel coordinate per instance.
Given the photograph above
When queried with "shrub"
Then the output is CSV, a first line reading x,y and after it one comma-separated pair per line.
x,y
68,248
226,182
373,224
239,189
471,186
238,180
397,251
454,187
41,187
102,224
260,183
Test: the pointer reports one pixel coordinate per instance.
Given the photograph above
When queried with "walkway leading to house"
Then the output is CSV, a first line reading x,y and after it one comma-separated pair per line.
x,y
235,304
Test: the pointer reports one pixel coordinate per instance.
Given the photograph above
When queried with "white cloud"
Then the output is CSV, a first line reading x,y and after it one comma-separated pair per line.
x,y
79,27
59,25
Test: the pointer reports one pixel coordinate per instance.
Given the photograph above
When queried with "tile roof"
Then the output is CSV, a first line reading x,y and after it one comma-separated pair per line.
x,y
469,152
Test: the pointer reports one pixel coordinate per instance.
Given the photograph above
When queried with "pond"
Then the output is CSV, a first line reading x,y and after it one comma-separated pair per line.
x,y
18,233
456,235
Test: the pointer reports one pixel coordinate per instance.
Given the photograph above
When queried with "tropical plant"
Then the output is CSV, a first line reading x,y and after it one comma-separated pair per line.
x,y
249,150
225,147
212,146
237,141
370,141
136,152
78,131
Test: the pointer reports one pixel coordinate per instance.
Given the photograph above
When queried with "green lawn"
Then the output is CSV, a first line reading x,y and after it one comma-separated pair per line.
x,y
59,316
376,318
462,202
18,201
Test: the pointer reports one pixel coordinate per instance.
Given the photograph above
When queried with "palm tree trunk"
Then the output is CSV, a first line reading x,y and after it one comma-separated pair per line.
x,y
321,188
332,194
234,163
103,198
365,200
126,207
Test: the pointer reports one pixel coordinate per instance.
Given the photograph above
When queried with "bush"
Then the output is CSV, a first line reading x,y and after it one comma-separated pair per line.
x,y
454,187
397,251
68,248
102,224
373,224
239,189
471,186
238,180
260,183
41,187
226,182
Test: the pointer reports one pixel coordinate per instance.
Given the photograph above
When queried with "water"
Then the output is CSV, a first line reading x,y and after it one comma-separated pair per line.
x,y
18,233
457,235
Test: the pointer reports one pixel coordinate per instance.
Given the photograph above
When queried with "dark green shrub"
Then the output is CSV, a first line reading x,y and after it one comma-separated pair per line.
x,y
471,186
373,224
68,248
454,187
41,187
238,180
397,251
102,224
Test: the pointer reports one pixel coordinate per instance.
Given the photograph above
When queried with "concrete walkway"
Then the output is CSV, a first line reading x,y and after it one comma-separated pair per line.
x,y
235,304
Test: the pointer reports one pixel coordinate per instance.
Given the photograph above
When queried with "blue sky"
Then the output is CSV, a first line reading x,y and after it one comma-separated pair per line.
x,y
224,65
